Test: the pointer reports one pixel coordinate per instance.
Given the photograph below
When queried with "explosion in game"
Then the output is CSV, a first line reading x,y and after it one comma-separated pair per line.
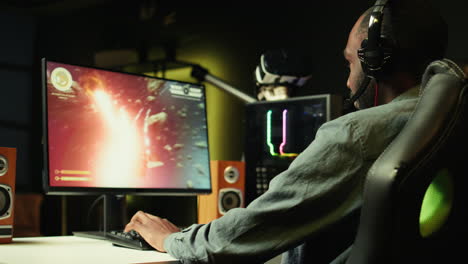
x,y
110,129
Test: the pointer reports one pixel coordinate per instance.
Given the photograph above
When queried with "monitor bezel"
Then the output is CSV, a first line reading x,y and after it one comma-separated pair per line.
x,y
61,190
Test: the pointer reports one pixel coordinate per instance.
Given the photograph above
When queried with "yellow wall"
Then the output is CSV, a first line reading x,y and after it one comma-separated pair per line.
x,y
225,112
225,125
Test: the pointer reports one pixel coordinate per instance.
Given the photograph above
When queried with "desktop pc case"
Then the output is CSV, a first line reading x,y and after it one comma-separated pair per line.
x,y
277,131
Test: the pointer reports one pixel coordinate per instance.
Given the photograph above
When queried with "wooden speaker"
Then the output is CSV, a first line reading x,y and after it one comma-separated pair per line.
x,y
228,190
7,192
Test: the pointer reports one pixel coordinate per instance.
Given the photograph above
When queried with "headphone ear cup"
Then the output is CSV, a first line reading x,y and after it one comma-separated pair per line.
x,y
375,62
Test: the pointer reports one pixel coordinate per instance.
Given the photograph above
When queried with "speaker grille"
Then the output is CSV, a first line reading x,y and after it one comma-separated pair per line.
x,y
5,201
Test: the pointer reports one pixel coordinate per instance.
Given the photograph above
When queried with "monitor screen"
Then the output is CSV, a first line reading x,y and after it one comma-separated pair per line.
x,y
108,131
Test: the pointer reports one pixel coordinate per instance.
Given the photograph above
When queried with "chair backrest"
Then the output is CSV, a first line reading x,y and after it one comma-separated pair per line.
x,y
415,193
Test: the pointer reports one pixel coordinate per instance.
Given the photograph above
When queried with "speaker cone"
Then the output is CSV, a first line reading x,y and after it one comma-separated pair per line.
x,y
5,201
229,198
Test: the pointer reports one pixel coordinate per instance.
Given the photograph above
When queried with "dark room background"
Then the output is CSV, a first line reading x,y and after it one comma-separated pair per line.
x,y
228,38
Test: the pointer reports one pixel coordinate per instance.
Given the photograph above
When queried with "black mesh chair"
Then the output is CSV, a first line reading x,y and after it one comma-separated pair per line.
x,y
415,194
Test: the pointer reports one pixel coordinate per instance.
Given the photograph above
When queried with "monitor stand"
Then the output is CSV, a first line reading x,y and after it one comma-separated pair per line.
x,y
113,216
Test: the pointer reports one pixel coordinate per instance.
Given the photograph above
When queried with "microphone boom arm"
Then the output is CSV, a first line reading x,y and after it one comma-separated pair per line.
x,y
201,74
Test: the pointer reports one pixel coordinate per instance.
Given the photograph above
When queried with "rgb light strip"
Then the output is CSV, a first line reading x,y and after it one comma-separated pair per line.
x,y
284,136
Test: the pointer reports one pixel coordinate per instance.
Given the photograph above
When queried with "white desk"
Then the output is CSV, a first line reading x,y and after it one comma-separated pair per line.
x,y
72,249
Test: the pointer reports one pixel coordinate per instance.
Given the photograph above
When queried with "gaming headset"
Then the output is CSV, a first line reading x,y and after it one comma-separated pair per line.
x,y
376,51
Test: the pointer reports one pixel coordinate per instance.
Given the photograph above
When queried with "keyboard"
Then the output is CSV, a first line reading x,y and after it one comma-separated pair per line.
x,y
129,239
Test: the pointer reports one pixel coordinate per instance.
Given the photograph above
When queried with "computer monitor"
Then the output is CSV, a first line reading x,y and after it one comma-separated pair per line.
x,y
113,133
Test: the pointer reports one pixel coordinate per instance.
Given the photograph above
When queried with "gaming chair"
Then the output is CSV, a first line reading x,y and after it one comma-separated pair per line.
x,y
415,196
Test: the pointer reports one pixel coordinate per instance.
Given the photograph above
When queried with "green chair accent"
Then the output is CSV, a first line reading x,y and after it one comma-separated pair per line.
x,y
437,203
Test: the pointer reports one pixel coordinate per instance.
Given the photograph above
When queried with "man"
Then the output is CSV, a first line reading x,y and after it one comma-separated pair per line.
x,y
324,184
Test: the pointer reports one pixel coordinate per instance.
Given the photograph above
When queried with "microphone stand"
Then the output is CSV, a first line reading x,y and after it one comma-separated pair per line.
x,y
201,74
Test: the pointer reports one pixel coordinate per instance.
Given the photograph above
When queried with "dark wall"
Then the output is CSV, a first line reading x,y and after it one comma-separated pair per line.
x,y
244,32
18,124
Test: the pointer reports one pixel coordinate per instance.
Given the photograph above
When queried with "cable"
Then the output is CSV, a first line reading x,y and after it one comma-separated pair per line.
x,y
101,197
376,95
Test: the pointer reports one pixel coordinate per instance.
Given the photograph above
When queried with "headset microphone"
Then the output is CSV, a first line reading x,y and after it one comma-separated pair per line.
x,y
349,102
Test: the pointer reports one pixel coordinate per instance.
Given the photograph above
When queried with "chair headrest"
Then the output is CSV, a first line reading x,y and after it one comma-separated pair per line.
x,y
445,66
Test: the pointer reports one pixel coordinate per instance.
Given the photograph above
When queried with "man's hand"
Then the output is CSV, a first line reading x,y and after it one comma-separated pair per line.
x,y
152,228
